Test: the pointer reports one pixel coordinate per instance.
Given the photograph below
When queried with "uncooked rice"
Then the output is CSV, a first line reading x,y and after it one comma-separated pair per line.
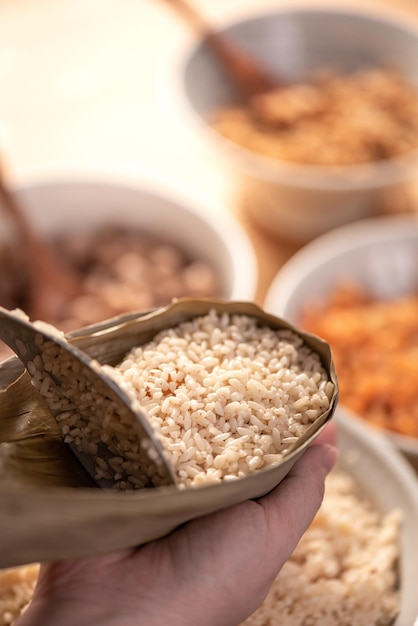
x,y
105,434
226,396
343,571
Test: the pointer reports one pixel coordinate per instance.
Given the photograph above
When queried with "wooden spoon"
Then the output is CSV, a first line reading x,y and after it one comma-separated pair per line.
x,y
97,419
249,76
51,285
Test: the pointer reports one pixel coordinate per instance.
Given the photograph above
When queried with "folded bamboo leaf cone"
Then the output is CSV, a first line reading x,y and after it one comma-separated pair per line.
x,y
234,394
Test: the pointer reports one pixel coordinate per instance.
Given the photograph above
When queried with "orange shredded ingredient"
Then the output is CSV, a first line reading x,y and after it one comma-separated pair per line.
x,y
375,347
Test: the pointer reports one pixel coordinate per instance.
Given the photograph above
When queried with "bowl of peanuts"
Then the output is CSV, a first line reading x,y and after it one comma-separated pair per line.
x,y
336,141
357,288
133,245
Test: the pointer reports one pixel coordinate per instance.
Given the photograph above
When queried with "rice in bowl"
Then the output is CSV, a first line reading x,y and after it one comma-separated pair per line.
x,y
226,395
344,570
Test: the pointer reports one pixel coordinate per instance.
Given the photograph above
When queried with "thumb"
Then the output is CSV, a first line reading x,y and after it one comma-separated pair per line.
x,y
292,505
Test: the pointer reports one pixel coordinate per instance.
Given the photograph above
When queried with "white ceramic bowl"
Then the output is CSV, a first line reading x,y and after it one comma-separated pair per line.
x,y
384,476
293,201
380,254
198,227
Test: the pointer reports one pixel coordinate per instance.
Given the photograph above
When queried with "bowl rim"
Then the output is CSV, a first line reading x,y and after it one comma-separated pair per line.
x,y
323,249
173,101
216,215
336,241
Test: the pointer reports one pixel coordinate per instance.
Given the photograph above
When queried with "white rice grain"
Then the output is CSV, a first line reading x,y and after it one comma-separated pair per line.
x,y
220,387
344,569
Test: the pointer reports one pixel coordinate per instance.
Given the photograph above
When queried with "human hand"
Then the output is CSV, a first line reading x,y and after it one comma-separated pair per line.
x,y
213,571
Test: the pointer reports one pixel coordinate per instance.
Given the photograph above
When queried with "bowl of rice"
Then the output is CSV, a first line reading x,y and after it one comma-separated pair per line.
x,y
357,287
336,143
134,243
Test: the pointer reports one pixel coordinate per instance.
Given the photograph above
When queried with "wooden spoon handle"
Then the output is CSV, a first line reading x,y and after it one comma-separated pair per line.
x,y
246,72
50,284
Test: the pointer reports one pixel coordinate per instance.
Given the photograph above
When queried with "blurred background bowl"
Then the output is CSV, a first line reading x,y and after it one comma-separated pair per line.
x,y
379,254
209,240
373,461
296,202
